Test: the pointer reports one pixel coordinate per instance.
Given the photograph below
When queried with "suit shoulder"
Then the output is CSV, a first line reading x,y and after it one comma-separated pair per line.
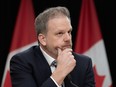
x,y
83,60
81,56
28,51
25,53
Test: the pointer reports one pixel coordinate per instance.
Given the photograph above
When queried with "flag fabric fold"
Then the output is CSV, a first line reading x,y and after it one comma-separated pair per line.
x,y
23,36
89,42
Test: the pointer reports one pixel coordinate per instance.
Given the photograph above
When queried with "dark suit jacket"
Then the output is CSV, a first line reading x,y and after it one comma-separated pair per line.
x,y
30,69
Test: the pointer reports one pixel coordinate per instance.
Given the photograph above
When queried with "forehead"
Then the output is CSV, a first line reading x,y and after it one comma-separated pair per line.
x,y
59,23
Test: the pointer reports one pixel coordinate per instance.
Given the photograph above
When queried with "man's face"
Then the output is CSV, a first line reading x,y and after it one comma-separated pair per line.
x,y
58,35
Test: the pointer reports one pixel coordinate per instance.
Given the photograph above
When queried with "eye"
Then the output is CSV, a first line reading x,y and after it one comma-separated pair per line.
x,y
60,33
69,32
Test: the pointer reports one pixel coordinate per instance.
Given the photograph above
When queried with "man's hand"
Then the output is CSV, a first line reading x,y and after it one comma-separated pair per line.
x,y
65,64
65,61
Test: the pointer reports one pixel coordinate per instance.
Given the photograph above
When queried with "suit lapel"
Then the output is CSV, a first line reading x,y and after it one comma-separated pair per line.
x,y
43,66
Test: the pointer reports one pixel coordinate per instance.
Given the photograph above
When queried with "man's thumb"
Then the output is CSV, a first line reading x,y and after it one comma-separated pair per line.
x,y
59,51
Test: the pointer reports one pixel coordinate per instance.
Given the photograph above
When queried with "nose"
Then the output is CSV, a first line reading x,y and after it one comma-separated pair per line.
x,y
67,37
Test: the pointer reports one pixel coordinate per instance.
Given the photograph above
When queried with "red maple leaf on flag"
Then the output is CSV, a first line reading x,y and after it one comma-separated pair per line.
x,y
98,78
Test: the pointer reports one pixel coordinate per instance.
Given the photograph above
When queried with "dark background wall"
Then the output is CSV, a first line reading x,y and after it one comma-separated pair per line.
x,y
105,12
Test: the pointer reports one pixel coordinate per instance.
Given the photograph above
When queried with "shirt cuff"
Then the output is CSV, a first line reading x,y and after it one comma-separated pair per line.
x,y
55,81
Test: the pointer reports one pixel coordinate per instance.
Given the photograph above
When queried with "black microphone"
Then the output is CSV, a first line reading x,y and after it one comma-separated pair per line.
x,y
70,79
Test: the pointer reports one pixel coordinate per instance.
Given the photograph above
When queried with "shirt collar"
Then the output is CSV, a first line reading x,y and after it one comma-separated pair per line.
x,y
47,57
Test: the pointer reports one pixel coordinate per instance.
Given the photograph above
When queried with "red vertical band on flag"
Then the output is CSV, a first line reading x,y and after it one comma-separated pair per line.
x,y
88,29
24,34
7,82
89,42
24,29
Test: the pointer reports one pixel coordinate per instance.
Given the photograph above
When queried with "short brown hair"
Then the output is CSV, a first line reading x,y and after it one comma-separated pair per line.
x,y
43,18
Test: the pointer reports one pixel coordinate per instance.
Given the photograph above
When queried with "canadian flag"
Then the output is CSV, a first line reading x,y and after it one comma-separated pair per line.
x,y
89,42
24,36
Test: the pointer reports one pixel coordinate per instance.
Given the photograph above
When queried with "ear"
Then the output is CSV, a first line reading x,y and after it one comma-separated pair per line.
x,y
42,39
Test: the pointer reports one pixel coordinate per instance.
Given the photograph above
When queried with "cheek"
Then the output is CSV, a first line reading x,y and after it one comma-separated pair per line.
x,y
58,44
54,42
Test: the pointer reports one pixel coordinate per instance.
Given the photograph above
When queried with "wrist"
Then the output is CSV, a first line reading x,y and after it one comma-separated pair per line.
x,y
58,77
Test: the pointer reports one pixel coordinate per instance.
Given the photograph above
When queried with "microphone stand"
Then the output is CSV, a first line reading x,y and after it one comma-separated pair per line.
x,y
69,77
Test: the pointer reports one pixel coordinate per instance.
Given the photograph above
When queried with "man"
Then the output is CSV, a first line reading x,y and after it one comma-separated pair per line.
x,y
34,67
